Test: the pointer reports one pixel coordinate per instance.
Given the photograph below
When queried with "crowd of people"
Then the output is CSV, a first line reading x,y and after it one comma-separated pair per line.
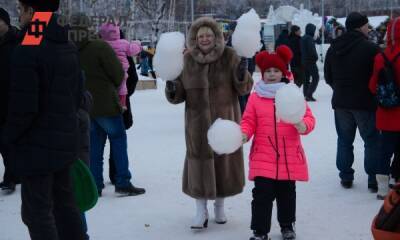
x,y
62,100
333,29
305,57
76,98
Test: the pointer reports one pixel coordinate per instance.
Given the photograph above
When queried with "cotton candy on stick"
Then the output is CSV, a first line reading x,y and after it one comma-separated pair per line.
x,y
290,104
246,39
224,136
168,60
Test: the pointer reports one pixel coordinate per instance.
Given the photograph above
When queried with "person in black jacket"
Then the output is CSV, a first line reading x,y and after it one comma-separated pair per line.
x,y
251,67
283,38
8,41
131,84
309,57
348,69
42,126
296,65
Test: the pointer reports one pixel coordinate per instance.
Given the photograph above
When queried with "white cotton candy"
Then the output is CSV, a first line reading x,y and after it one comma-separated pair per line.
x,y
168,60
224,136
290,104
246,39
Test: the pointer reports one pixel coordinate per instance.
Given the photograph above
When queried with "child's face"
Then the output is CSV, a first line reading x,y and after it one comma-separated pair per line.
x,y
272,75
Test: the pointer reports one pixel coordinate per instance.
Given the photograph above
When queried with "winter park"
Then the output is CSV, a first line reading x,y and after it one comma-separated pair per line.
x,y
195,119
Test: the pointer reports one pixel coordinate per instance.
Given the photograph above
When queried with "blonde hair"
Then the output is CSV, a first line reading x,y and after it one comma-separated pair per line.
x,y
204,30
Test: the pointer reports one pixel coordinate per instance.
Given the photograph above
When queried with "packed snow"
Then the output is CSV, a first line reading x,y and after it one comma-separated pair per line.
x,y
157,150
290,104
224,136
170,47
246,38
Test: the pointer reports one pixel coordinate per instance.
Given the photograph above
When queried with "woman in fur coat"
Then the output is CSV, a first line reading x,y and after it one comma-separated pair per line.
x,y
212,79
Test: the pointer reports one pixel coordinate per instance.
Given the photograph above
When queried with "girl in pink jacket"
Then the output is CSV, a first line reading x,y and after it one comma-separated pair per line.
x,y
111,34
277,158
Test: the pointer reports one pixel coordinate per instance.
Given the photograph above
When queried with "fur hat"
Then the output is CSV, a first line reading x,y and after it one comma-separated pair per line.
x,y
42,5
280,59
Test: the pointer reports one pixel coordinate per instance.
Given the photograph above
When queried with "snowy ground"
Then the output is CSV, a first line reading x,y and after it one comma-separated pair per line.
x,y
157,148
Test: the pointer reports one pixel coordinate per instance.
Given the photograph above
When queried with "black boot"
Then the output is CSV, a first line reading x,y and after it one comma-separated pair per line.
x,y
346,183
129,190
259,236
7,187
288,232
373,187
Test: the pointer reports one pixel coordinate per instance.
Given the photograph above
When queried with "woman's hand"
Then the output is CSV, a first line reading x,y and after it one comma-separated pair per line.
x,y
170,85
242,68
301,127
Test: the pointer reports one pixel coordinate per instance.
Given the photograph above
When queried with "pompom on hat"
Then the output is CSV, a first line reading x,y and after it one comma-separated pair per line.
x,y
42,5
279,59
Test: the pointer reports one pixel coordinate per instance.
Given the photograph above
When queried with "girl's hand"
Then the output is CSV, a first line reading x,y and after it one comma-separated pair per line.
x,y
301,127
244,138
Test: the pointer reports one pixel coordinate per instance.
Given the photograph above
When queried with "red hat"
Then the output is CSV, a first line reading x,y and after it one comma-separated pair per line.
x,y
280,59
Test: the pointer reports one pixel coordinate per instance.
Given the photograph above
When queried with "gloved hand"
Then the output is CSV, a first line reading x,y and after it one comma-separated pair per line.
x,y
301,127
242,68
170,86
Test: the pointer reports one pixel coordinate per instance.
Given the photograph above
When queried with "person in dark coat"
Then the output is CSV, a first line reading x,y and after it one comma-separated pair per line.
x,y
309,57
104,74
42,126
251,67
131,84
84,133
296,65
348,69
283,38
387,119
373,35
144,63
151,52
8,41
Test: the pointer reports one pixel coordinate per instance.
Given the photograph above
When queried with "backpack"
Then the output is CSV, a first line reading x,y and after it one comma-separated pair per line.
x,y
387,223
387,90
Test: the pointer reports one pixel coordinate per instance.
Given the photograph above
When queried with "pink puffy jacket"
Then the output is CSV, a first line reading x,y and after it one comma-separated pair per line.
x,y
276,152
111,34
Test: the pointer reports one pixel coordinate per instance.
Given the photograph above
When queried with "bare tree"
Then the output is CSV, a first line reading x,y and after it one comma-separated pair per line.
x,y
155,11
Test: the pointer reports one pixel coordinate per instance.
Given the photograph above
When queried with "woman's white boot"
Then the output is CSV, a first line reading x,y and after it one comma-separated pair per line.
x,y
201,219
219,211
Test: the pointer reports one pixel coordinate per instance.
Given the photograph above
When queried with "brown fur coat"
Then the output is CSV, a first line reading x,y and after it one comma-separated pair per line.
x,y
209,85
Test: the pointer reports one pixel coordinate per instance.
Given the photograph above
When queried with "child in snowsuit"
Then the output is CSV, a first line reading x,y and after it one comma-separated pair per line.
x,y
111,34
277,158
